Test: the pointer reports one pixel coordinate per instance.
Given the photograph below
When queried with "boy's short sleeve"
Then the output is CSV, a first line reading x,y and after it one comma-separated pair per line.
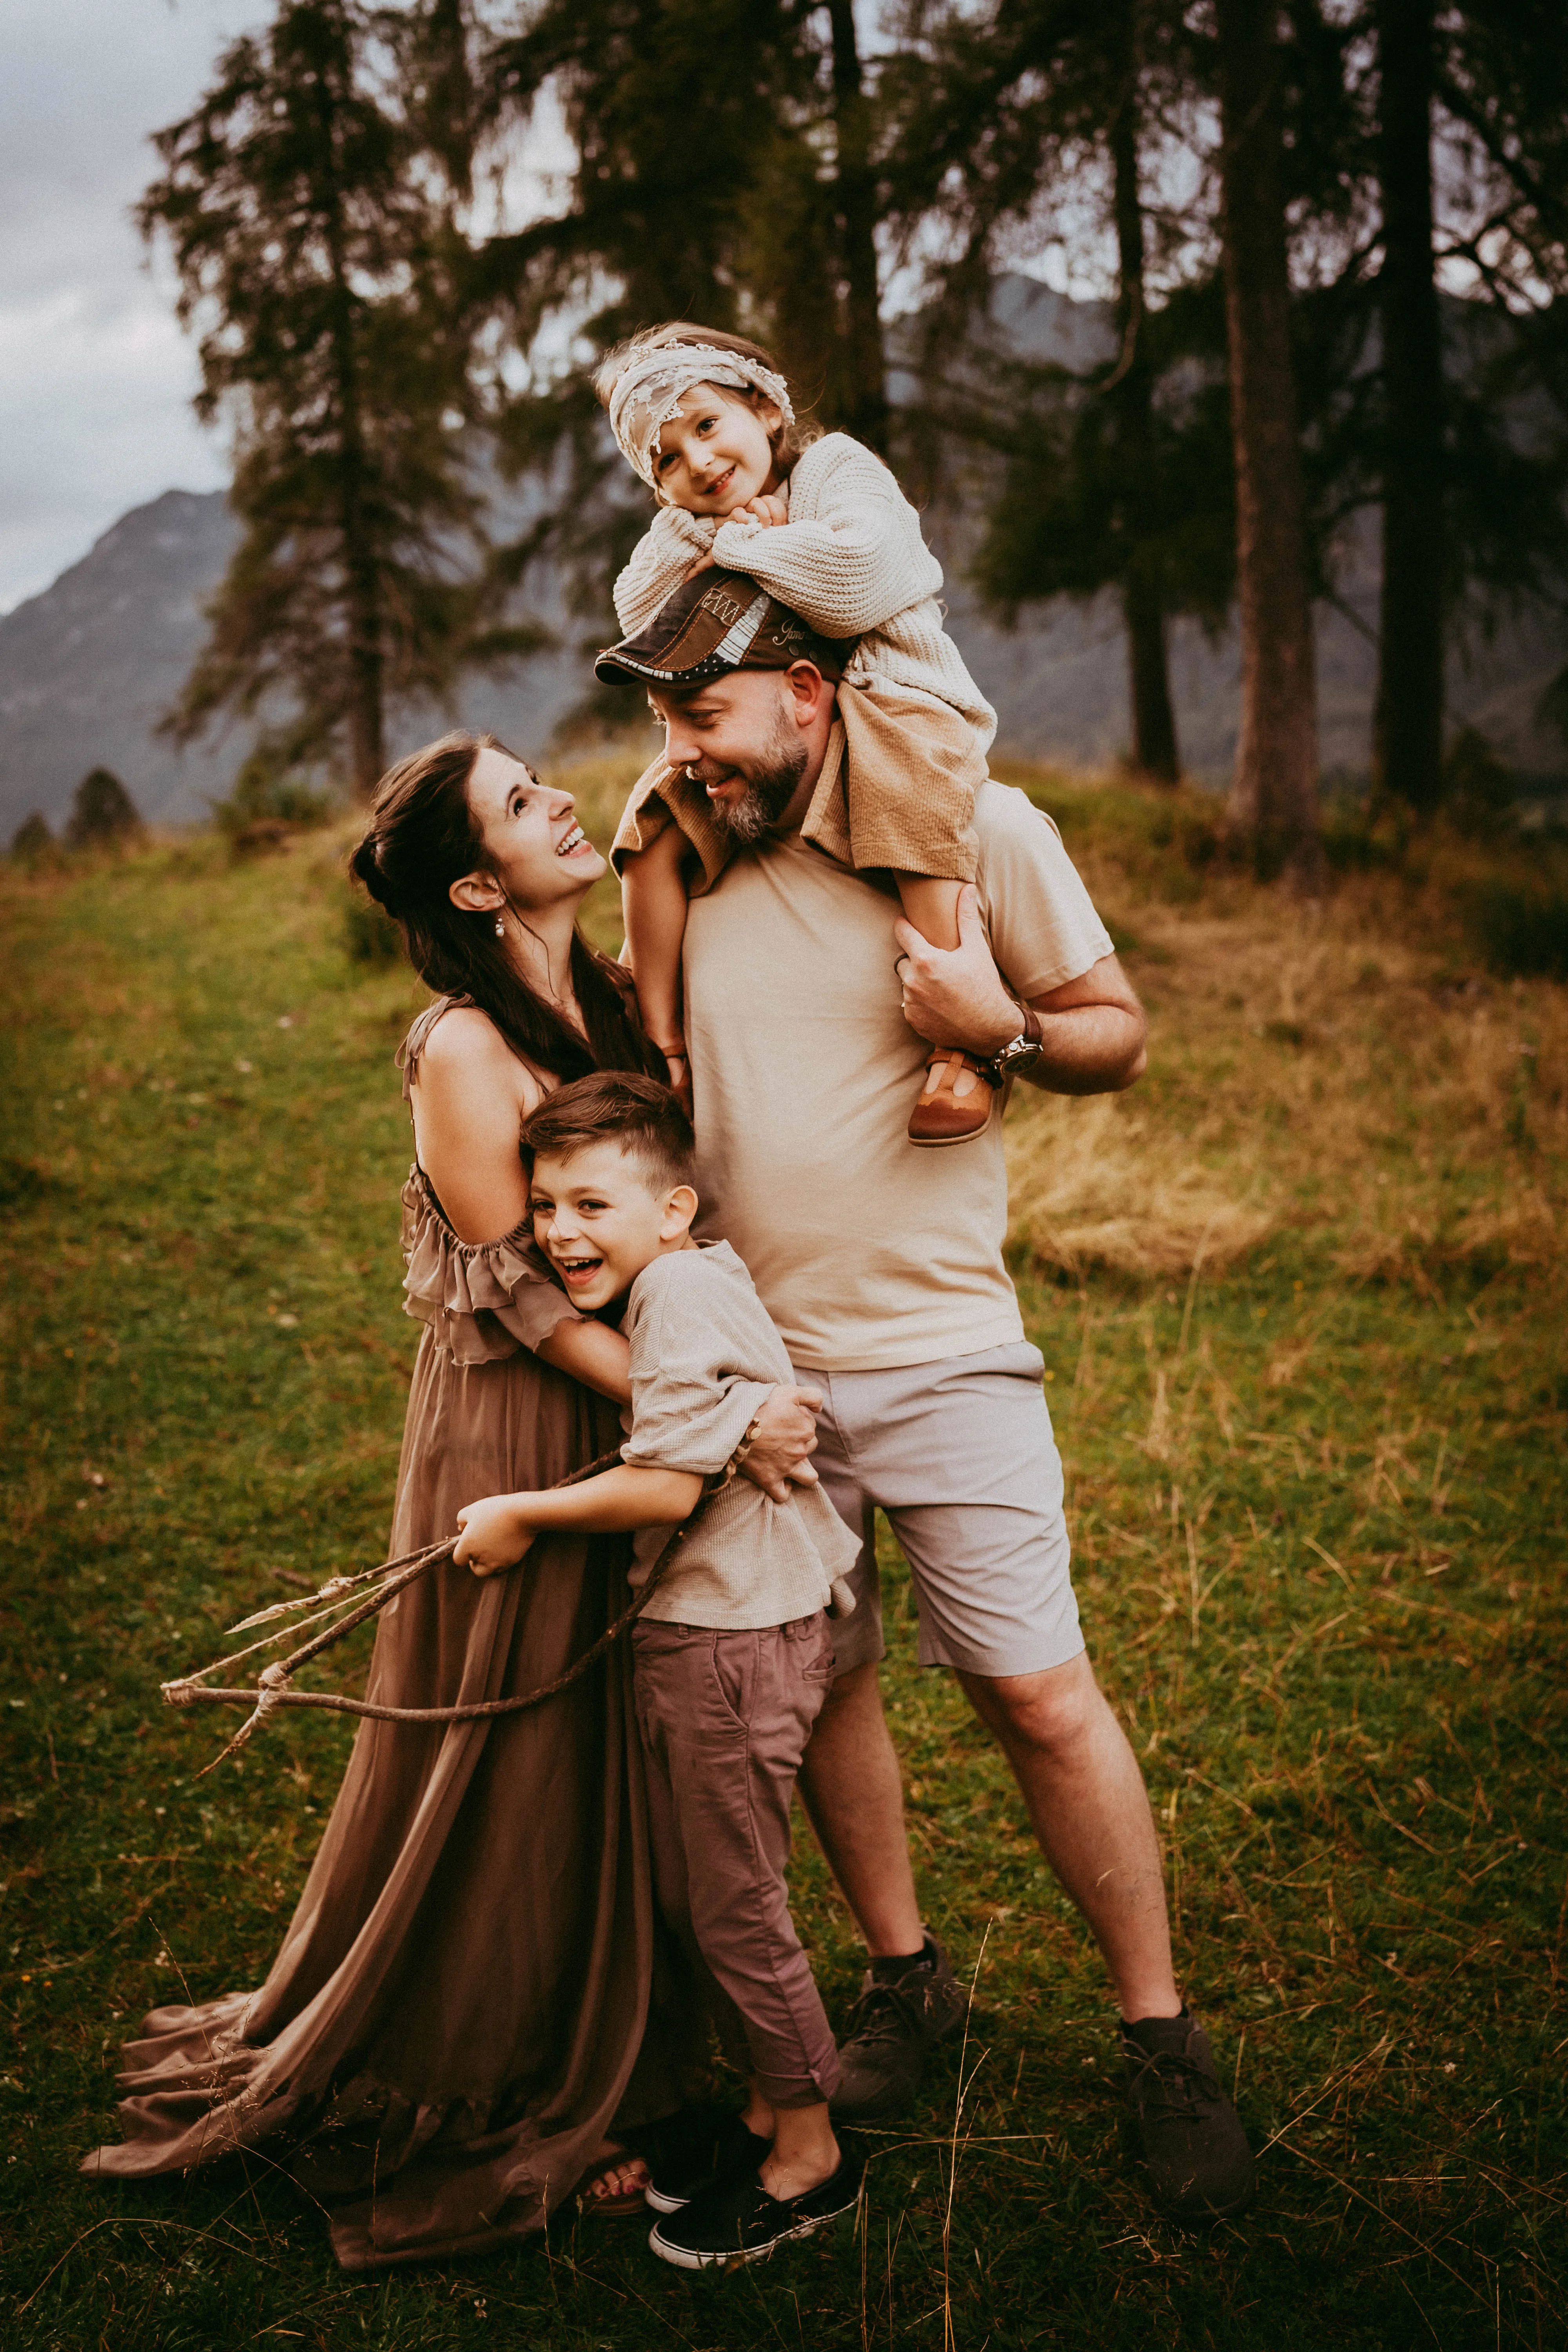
x,y
694,1395
1039,918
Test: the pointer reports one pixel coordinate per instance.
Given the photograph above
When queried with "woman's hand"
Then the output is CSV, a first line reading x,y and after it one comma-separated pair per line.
x,y
767,509
786,1434
495,1534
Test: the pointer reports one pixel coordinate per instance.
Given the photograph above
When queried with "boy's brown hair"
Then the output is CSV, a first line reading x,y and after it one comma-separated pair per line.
x,y
788,442
616,1107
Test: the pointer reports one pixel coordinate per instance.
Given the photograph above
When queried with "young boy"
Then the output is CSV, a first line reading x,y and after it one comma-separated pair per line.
x,y
733,1656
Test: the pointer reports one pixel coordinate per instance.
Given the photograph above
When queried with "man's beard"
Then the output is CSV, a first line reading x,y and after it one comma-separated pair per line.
x,y
770,786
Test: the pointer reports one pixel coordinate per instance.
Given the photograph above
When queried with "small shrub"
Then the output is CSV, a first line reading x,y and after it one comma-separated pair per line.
x,y
1519,929
32,844
370,935
268,800
1359,836
103,813
1478,789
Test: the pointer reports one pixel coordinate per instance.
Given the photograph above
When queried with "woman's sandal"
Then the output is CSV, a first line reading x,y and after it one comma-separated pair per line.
x,y
957,1101
673,2143
613,2190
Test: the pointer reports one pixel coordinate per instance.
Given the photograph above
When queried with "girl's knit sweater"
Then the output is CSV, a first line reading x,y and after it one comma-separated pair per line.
x,y
851,560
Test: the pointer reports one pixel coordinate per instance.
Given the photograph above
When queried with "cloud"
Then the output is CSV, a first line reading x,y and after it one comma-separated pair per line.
x,y
95,377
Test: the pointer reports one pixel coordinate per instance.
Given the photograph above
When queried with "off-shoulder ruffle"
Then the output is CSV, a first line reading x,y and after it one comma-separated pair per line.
x,y
482,1300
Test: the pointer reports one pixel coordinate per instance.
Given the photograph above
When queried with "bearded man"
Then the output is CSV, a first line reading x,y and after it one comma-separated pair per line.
x,y
808,1000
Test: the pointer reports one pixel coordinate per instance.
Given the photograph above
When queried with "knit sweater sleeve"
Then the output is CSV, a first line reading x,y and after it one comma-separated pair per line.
x,y
660,561
851,554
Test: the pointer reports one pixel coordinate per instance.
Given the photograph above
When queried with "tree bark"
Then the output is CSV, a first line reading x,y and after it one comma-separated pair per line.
x,y
1273,808
1142,604
864,401
1148,678
364,685
1407,727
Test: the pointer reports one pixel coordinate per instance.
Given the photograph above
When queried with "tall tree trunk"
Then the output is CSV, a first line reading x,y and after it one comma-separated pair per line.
x,y
1273,807
1407,727
1148,678
364,685
1142,605
863,402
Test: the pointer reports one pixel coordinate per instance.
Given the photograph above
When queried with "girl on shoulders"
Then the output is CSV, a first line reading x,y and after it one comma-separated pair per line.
x,y
708,422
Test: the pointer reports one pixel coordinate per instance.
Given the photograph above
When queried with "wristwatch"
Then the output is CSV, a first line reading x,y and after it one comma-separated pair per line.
x,y
1025,1047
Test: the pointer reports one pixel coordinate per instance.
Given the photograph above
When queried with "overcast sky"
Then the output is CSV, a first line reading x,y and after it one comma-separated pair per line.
x,y
95,377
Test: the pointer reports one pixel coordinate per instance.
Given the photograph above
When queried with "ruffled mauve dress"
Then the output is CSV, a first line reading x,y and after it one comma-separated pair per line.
x,y
473,1993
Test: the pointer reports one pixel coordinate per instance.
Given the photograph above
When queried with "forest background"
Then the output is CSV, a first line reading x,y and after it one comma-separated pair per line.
x,y
1299,1295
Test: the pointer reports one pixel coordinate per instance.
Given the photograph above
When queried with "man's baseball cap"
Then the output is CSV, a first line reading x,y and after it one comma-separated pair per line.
x,y
715,623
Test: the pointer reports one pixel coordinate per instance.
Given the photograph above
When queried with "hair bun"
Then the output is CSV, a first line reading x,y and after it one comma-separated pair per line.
x,y
364,865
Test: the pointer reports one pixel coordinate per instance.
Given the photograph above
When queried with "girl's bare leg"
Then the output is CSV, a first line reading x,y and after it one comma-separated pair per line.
x,y
932,906
653,904
954,1105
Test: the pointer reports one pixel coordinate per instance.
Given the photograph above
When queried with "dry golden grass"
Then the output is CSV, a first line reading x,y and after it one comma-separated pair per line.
x,y
1332,1064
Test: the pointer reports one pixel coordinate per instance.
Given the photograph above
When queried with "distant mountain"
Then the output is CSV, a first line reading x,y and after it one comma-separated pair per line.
x,y
87,668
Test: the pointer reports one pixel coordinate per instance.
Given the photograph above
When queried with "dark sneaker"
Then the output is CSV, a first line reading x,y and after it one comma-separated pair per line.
x,y
737,2222
728,2150
891,2027
1188,2135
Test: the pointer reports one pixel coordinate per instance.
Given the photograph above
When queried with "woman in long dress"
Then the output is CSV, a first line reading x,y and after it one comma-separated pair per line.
x,y
472,2008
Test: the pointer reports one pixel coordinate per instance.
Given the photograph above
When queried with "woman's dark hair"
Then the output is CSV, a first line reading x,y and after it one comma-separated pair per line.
x,y
422,839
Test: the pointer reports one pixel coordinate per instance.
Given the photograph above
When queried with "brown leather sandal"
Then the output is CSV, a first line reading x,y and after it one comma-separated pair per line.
x,y
623,2204
959,1096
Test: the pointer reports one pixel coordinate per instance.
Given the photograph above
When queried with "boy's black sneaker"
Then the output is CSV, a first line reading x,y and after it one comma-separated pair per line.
x,y
1187,2132
892,2025
737,2222
728,2150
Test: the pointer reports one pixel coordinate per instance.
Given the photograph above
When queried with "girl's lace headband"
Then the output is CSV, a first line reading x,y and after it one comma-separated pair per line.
x,y
650,387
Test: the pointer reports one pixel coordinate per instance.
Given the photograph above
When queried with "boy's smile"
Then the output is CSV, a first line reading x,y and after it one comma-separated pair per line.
x,y
599,1222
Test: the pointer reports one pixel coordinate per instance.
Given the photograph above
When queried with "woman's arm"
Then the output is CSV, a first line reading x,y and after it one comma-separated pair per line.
x,y
497,1531
590,1352
471,1095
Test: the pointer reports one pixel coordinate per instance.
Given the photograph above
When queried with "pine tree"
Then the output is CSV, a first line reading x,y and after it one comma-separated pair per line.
x,y
1273,807
1117,477
103,813
311,202
725,172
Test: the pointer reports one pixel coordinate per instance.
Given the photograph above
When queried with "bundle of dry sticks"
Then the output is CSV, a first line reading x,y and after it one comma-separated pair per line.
x,y
344,1601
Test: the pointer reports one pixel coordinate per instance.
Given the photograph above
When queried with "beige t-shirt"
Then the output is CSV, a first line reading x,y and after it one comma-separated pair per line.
x,y
866,1251
704,1361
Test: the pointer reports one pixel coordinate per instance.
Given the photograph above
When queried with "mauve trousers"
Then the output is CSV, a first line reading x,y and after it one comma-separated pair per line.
x,y
724,1719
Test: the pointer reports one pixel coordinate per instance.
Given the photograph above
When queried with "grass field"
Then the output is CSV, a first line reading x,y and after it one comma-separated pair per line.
x,y
1301,1299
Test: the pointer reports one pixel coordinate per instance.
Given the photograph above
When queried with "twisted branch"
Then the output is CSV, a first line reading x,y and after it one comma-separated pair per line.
x,y
273,1691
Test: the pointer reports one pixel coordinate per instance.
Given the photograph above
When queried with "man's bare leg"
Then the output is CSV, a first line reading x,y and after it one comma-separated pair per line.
x,y
1090,1812
854,1800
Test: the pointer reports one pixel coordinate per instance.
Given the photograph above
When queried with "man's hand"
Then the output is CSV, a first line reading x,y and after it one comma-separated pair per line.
x,y
954,996
786,1434
495,1534
1093,1028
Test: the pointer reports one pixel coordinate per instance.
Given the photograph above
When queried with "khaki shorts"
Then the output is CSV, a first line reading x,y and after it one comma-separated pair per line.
x,y
959,1455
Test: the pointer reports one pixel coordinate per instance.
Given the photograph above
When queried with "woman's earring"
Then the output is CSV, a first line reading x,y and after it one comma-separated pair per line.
x,y
500,929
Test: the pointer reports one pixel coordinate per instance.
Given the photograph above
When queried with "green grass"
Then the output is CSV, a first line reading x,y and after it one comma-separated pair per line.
x,y
1317,1497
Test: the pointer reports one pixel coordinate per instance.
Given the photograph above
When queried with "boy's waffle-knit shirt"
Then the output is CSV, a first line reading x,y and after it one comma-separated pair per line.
x,y
851,560
705,1357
